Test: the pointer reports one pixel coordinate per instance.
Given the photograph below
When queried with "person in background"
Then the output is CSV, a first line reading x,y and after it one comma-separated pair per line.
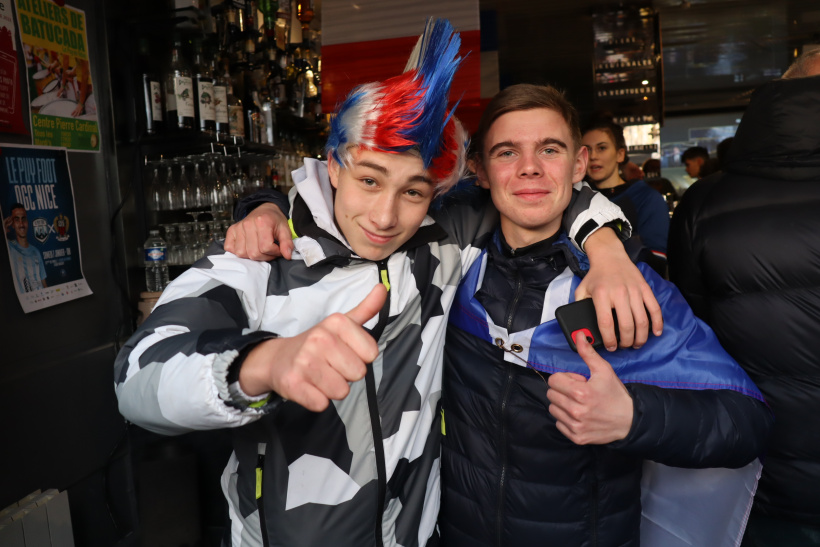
x,y
632,171
652,168
26,261
756,284
695,158
278,350
645,208
543,446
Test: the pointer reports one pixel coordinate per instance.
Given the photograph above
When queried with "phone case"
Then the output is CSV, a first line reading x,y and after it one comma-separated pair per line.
x,y
580,315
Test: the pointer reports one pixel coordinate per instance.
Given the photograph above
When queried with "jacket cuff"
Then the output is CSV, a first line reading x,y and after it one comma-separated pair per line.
x,y
265,195
226,376
589,211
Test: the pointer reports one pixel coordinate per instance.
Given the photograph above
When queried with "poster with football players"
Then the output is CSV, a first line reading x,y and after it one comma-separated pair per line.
x,y
40,226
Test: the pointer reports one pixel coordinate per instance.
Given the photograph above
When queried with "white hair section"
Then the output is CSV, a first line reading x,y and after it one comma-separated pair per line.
x,y
358,132
460,168
418,49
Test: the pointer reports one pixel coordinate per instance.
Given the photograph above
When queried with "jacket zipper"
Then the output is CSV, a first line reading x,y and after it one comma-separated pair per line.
x,y
502,444
502,441
260,501
373,407
519,289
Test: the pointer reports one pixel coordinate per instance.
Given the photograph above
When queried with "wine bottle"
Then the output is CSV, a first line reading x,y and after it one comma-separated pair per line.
x,y
179,93
151,92
204,86
236,116
221,84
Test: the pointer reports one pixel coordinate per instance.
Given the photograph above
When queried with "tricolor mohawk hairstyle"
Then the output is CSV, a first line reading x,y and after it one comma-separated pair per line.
x,y
409,112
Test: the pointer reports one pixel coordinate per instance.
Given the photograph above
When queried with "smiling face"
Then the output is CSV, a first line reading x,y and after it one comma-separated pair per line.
x,y
381,200
604,159
529,163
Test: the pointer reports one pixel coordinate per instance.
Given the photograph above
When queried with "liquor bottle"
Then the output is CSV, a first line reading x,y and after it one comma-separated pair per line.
x,y
221,84
151,94
179,93
236,116
269,9
254,122
204,86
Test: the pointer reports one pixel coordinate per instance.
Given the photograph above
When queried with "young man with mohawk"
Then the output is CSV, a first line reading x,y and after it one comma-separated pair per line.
x,y
332,385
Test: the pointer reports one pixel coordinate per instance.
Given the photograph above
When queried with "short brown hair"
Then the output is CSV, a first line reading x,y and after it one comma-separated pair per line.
x,y
525,97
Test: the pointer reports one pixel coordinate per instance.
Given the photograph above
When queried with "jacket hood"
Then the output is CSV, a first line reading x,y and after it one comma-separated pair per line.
x,y
779,135
312,218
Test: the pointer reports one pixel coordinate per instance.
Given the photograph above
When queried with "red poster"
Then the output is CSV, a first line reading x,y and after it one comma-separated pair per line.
x,y
11,111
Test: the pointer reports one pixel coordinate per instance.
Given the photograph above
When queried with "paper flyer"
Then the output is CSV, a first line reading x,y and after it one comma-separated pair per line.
x,y
60,88
40,225
11,104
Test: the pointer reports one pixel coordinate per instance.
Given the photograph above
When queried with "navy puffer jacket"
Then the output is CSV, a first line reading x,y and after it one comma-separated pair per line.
x,y
510,478
745,251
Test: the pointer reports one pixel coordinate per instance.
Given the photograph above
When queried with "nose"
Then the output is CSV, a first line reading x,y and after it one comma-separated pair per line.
x,y
528,165
384,212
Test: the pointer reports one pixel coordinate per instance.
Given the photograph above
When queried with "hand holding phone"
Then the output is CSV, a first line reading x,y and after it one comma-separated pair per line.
x,y
580,316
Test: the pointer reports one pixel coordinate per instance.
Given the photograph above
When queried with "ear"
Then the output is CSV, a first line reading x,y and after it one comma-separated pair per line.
x,y
700,161
581,161
477,167
333,169
621,155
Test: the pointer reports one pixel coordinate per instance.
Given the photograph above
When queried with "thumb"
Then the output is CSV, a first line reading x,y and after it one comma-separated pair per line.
x,y
597,364
370,306
285,239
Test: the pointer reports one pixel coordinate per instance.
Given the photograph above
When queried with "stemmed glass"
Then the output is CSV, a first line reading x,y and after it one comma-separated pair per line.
x,y
184,189
201,196
220,186
154,189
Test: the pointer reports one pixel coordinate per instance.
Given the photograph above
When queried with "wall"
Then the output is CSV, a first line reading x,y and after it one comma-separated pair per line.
x,y
60,423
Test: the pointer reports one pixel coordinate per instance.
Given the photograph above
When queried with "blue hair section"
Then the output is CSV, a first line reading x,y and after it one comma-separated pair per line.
x,y
437,63
338,137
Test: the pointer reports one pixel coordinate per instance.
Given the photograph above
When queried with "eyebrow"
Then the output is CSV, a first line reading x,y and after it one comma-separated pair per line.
x,y
542,142
382,169
596,144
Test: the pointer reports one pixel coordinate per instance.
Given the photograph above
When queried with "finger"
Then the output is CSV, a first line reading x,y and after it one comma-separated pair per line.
x,y
653,308
307,395
283,236
597,364
606,324
565,383
640,318
623,311
370,306
328,379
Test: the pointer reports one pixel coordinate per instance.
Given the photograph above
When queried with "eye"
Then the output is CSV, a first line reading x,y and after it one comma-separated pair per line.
x,y
551,151
370,183
415,193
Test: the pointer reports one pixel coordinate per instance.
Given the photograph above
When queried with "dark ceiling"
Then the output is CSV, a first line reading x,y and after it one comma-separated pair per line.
x,y
717,50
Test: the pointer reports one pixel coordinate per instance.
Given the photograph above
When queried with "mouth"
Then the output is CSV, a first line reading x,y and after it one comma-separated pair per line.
x,y
376,238
531,194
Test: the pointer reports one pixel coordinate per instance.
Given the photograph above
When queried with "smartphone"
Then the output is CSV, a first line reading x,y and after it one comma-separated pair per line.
x,y
581,316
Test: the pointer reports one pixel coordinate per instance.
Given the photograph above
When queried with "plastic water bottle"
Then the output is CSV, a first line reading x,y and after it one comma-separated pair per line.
x,y
156,266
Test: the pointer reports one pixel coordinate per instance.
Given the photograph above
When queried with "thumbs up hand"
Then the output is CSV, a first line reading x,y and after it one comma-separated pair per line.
x,y
597,410
315,366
